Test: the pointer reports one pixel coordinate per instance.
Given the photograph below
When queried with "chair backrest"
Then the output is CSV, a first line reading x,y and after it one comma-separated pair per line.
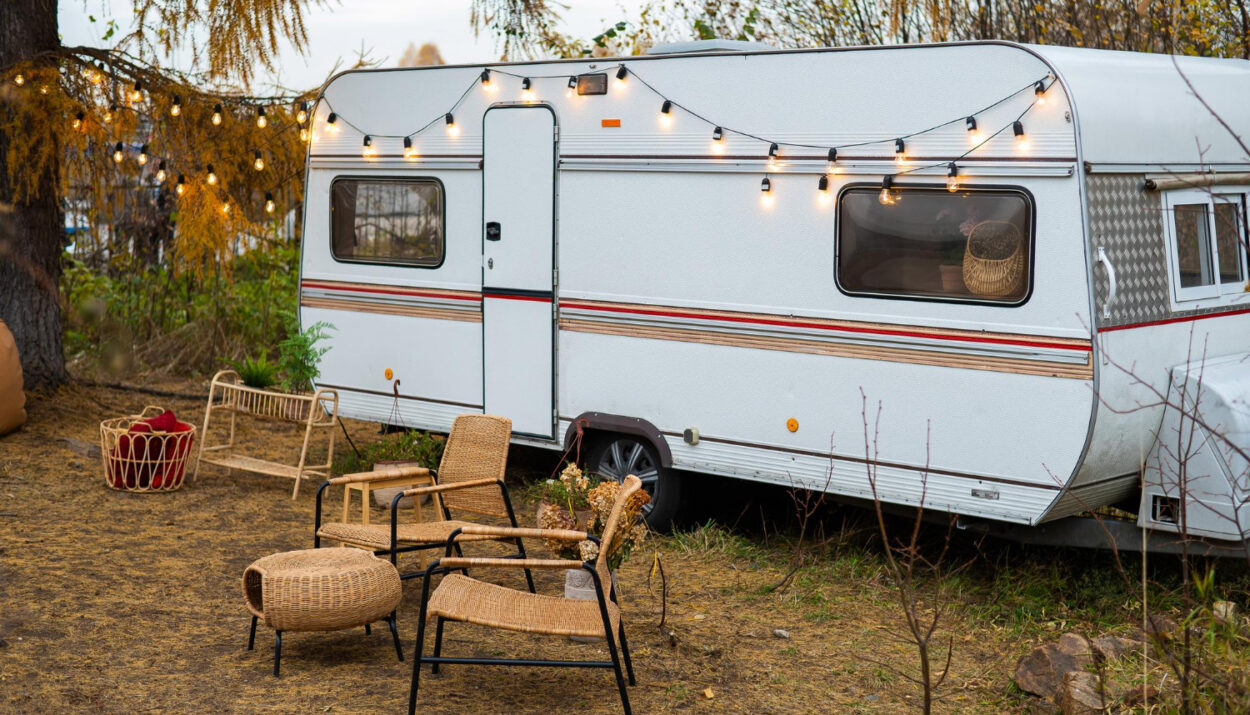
x,y
618,526
477,448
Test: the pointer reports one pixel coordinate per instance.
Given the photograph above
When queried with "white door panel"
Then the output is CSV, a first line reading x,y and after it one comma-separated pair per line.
x,y
518,216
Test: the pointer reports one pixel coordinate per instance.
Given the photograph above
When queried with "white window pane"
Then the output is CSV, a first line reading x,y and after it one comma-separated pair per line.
x,y
387,221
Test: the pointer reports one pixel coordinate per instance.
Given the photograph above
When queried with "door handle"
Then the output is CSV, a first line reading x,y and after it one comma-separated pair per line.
x,y
493,231
1111,287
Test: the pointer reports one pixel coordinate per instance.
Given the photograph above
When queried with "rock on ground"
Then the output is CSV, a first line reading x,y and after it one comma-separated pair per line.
x,y
1041,672
1082,693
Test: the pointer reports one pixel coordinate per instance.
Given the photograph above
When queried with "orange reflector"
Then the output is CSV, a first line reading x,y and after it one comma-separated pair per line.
x,y
792,425
610,123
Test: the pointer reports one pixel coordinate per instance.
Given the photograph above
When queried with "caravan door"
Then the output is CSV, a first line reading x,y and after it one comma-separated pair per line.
x,y
518,252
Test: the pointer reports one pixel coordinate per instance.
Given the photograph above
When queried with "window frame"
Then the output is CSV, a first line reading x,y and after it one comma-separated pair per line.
x,y
1216,293
442,189
978,188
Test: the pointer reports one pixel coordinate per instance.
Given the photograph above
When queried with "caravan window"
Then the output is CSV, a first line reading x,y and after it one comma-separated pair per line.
x,y
1206,245
972,245
387,221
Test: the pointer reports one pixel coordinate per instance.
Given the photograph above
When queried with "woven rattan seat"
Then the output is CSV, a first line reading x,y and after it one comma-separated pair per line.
x,y
470,480
321,590
378,536
460,598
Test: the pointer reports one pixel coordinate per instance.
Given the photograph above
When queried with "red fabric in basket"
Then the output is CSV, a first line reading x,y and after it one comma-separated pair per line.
x,y
155,468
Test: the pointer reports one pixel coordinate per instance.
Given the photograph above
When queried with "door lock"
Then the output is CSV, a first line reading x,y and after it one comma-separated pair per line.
x,y
490,263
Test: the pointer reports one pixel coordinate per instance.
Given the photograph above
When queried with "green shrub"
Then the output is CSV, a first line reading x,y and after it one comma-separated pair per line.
x,y
422,447
299,356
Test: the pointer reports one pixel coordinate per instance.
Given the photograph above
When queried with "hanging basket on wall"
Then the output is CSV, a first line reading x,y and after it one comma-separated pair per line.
x,y
146,452
994,260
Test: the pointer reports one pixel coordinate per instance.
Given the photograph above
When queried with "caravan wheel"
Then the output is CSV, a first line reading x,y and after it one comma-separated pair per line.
x,y
616,457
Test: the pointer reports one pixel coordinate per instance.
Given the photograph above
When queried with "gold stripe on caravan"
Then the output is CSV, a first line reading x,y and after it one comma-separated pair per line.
x,y
1023,366
412,311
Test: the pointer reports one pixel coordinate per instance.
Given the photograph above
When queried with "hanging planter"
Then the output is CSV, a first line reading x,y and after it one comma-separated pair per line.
x,y
146,452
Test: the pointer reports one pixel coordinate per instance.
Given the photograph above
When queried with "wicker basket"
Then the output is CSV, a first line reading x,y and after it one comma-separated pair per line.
x,y
990,277
146,461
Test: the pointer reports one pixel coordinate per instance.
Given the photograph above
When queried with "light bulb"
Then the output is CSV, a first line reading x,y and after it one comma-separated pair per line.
x,y
108,113
666,113
527,89
974,134
410,151
19,79
572,90
621,75
96,75
212,176
43,89
301,115
718,140
952,178
486,83
261,120
175,109
216,114
118,153
143,155
258,161
78,118
161,175
766,192
773,149
366,148
900,152
1022,140
136,94
1039,91
269,204
822,188
225,207
452,129
886,197
831,167
303,134
181,187
332,122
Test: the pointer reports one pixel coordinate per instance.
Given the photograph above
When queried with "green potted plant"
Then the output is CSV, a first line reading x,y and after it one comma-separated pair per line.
x,y
299,358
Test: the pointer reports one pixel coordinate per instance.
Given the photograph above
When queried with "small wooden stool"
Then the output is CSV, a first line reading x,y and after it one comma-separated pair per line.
x,y
321,590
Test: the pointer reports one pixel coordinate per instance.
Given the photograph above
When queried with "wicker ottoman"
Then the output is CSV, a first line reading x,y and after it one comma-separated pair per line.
x,y
321,590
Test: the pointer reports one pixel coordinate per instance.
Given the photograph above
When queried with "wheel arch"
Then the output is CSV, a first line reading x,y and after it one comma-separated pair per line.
x,y
591,423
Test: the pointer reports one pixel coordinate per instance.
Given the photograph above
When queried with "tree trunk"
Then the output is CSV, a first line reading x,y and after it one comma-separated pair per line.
x,y
32,227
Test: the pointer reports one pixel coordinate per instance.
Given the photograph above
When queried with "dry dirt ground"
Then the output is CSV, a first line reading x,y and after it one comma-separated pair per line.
x,y
125,603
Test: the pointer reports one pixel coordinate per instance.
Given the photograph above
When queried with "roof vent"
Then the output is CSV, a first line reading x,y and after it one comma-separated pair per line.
x,y
708,46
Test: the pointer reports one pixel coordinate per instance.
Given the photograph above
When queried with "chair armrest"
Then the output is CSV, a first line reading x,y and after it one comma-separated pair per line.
x,y
379,474
437,488
507,531
468,562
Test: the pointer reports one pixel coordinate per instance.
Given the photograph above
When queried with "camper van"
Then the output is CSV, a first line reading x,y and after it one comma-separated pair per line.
x,y
967,276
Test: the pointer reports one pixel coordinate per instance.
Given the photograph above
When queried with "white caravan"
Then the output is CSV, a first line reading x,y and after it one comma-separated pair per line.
x,y
711,259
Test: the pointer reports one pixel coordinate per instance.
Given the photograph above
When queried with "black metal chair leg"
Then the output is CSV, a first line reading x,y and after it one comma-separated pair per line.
x,y
277,651
629,665
251,638
368,630
438,645
399,651
416,657
529,577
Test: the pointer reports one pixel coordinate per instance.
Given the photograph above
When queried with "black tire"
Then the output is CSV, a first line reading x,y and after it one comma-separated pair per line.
x,y
615,456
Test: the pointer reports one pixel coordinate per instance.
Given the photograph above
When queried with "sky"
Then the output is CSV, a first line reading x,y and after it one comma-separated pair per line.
x,y
382,27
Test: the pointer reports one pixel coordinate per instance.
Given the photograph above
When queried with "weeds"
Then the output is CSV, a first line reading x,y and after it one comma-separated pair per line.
x,y
421,447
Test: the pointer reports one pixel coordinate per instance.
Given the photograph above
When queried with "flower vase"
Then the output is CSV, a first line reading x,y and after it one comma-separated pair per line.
x,y
579,584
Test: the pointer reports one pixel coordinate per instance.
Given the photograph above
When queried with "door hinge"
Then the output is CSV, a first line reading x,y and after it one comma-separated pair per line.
x,y
557,132
555,276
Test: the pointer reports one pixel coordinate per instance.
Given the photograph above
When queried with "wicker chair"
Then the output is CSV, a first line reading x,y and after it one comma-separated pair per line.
x,y
467,600
470,480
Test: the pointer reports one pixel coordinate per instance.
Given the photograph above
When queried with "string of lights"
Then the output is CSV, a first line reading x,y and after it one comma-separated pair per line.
x,y
977,138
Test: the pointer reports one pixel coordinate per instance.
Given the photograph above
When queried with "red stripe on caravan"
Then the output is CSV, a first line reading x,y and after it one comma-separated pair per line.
x,y
1169,321
389,291
836,328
